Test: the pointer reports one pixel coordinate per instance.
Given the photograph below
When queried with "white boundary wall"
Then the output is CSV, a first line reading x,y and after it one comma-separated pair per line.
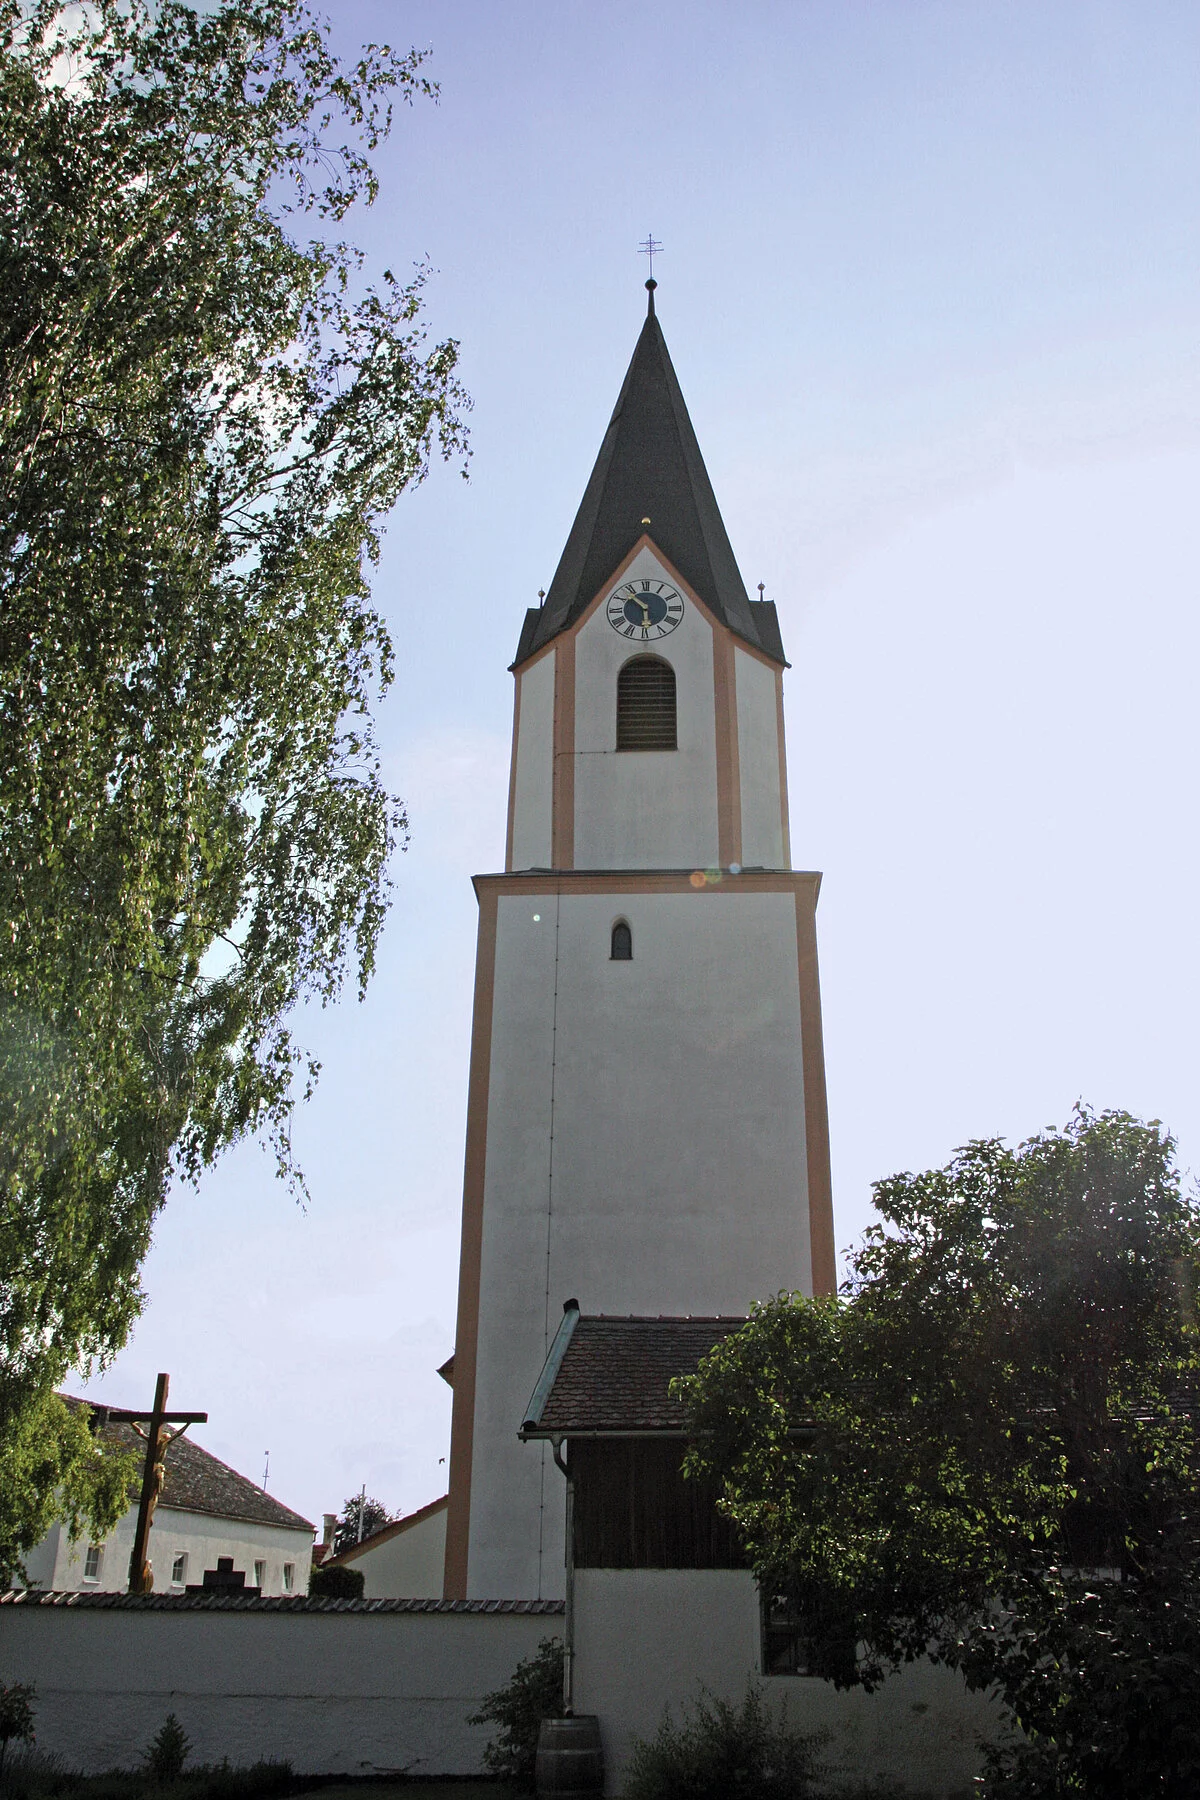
x,y
350,1688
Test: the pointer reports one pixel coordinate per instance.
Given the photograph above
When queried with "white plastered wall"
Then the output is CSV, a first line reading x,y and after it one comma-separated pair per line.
x,y
759,763
42,1559
533,787
408,1564
330,1692
670,1177
645,809
200,1537
646,1639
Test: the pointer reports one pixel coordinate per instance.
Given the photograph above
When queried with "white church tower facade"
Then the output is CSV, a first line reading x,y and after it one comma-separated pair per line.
x,y
647,1127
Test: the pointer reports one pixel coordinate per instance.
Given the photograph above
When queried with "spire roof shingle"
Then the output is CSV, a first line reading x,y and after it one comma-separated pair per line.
x,y
650,467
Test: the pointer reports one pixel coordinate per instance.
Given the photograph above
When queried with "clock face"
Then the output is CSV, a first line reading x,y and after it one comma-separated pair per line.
x,y
644,610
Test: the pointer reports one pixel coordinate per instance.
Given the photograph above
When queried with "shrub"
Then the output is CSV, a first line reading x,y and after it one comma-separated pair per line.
x,y
261,1781
337,1584
168,1750
534,1693
720,1750
16,1715
36,1773
37,1776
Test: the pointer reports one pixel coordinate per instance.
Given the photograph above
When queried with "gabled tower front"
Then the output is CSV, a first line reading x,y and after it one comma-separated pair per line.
x,y
646,1126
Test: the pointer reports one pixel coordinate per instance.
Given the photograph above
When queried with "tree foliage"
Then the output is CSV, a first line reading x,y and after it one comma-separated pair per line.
x,y
361,1517
986,1449
205,413
56,1466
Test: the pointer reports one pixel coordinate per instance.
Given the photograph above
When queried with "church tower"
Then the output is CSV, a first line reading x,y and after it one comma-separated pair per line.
x,y
646,1123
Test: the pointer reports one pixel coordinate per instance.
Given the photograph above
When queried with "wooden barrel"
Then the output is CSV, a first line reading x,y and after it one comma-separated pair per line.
x,y
569,1758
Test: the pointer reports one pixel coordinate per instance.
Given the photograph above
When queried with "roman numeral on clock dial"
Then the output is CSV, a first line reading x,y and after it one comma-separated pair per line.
x,y
645,609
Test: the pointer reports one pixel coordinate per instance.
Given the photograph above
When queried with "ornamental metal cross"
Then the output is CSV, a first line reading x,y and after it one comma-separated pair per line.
x,y
154,1470
651,248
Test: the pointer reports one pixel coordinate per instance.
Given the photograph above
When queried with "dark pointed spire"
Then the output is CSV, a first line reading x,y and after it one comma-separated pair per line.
x,y
650,477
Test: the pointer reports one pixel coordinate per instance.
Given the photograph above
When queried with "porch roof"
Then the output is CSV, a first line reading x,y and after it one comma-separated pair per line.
x,y
612,1376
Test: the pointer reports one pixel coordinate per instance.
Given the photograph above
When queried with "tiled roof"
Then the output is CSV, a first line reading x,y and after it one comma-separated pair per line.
x,y
616,1374
198,1482
281,1603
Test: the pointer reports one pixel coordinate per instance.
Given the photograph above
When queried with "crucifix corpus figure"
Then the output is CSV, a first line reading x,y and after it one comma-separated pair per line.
x,y
154,1427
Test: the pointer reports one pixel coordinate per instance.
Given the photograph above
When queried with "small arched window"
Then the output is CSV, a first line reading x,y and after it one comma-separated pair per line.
x,y
622,942
646,705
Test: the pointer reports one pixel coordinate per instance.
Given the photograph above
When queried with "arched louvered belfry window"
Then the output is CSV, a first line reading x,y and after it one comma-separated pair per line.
x,y
646,705
622,942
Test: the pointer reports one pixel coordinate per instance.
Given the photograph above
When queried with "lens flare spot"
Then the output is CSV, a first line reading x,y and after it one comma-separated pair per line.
x,y
712,876
697,878
537,918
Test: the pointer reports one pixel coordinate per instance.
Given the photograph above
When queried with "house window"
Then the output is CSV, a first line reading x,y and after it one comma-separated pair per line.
x,y
289,1577
260,1574
622,942
785,1641
646,705
179,1570
93,1562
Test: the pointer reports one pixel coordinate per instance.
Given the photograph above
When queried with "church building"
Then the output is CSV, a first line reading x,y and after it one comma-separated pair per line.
x,y
647,1136
647,1132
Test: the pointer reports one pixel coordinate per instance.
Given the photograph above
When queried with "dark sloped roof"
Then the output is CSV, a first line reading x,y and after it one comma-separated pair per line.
x,y
276,1603
197,1482
769,635
650,466
616,1373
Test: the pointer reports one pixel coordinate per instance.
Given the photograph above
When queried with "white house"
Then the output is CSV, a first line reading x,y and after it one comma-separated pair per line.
x,y
206,1511
402,1561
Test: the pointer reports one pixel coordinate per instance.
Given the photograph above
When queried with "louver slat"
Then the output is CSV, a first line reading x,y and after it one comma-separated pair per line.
x,y
646,705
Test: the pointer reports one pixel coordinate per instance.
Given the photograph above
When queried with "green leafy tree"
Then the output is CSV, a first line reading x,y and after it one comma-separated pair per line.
x,y
55,1466
359,1518
986,1449
205,413
534,1693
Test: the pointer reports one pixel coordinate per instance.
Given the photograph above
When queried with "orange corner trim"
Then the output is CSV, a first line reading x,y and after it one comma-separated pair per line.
x,y
462,1427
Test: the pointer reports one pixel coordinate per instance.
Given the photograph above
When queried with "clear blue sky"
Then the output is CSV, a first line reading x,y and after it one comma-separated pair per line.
x,y
930,286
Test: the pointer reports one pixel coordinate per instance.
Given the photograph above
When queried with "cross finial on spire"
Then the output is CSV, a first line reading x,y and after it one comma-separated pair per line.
x,y
651,248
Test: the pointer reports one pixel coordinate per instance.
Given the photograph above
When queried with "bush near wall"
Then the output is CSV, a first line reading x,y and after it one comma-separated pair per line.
x,y
337,1583
38,1777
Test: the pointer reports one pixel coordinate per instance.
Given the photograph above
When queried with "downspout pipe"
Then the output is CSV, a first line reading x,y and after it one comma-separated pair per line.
x,y
556,1444
530,1427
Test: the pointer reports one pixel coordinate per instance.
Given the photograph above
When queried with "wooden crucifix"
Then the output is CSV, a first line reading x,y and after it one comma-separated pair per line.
x,y
154,1427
